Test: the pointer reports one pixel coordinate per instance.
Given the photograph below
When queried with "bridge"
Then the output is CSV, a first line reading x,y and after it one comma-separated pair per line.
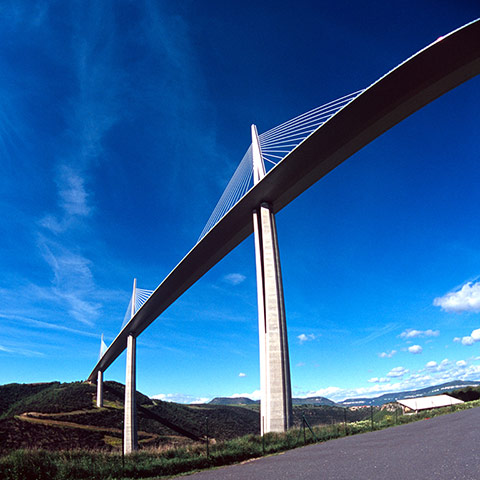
x,y
279,165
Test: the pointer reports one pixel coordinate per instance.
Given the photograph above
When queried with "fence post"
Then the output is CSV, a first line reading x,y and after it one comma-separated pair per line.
x,y
371,415
345,420
206,428
263,435
309,427
304,437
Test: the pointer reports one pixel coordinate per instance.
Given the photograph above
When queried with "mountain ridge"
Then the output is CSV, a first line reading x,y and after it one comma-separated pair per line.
x,y
357,402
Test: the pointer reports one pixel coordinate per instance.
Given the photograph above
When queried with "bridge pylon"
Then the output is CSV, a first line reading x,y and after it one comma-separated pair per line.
x,y
100,389
275,385
130,438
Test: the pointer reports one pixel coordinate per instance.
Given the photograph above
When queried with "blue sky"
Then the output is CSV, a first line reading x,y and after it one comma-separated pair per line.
x,y
120,125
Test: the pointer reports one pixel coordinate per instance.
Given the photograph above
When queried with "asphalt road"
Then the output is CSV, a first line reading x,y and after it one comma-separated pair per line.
x,y
446,447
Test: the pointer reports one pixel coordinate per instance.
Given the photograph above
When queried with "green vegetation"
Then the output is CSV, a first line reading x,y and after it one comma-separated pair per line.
x,y
467,394
155,463
15,392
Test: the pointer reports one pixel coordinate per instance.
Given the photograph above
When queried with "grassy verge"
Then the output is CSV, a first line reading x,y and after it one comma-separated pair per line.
x,y
93,465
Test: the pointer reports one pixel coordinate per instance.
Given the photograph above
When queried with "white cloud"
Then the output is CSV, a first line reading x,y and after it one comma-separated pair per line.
x,y
379,380
412,333
397,372
476,334
241,374
437,374
467,299
306,337
469,339
415,349
180,398
255,395
387,354
234,278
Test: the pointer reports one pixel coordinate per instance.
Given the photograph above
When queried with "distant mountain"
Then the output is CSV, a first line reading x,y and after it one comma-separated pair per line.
x,y
248,401
393,397
314,401
232,401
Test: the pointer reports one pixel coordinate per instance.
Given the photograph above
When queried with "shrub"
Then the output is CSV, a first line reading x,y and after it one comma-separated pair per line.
x,y
31,465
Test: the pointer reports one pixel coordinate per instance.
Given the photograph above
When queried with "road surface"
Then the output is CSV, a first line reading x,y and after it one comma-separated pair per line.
x,y
441,448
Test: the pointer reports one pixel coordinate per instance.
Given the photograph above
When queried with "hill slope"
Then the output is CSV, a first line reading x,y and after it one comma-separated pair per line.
x,y
248,401
61,416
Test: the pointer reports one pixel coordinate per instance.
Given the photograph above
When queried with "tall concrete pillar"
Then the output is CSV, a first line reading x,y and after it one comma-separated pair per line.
x,y
276,397
100,389
130,442
275,386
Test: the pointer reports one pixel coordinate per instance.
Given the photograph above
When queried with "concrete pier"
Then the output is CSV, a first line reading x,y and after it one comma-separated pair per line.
x,y
130,442
275,387
100,389
276,396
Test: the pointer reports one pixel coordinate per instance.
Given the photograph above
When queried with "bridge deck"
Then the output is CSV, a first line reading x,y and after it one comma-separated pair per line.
x,y
425,76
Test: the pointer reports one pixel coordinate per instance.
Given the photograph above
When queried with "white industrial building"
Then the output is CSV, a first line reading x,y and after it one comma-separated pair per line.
x,y
415,405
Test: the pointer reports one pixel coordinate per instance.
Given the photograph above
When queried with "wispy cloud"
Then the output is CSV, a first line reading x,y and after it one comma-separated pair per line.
x,y
93,109
234,278
465,299
72,193
47,326
377,333
397,372
412,333
20,350
73,282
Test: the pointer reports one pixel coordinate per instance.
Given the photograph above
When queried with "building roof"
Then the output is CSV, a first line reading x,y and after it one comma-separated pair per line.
x,y
424,403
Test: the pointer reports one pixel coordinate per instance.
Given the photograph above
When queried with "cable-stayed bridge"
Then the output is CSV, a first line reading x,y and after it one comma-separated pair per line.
x,y
278,166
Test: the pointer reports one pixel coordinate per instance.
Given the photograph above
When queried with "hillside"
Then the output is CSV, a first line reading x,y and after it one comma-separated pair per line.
x,y
60,416
314,401
233,401
248,401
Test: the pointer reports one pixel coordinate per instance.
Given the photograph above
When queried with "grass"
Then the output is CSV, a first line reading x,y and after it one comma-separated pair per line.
x,y
166,462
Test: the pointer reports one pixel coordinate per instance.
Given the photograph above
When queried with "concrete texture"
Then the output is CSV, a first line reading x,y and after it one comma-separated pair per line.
x,y
130,442
276,398
100,389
